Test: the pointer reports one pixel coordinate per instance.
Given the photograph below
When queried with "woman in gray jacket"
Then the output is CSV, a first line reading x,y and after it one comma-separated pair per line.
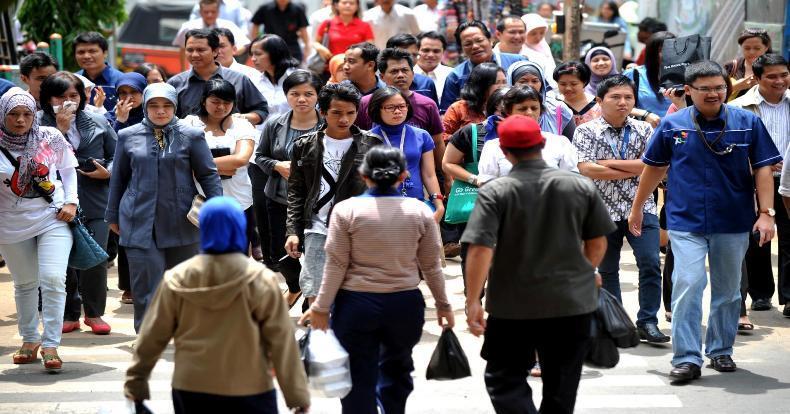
x,y
273,157
151,192
63,102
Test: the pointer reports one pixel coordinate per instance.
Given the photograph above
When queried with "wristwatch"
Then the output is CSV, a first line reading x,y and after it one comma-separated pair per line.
x,y
771,212
436,196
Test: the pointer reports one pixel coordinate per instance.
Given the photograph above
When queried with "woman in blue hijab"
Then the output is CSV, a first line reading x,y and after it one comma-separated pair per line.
x,y
223,227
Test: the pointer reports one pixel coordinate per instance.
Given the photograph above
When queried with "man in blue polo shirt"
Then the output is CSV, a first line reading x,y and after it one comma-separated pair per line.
x,y
475,40
90,51
711,150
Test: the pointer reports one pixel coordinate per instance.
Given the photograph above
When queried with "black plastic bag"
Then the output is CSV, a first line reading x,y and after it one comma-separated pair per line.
x,y
615,320
448,361
677,53
603,351
304,351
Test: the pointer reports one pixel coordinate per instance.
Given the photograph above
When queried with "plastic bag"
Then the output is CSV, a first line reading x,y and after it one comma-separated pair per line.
x,y
326,364
615,321
603,351
448,361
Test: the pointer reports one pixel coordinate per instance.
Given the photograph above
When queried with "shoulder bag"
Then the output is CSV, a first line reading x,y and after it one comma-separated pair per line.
x,y
315,62
462,194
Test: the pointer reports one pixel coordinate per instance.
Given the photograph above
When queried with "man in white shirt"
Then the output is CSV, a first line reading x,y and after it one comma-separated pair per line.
x,y
510,33
429,61
209,12
229,10
319,16
388,19
427,15
227,49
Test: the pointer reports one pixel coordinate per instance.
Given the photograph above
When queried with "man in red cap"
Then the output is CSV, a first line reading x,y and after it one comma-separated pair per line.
x,y
542,286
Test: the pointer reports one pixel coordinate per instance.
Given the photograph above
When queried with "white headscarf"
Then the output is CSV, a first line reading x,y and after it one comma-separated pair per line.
x,y
535,21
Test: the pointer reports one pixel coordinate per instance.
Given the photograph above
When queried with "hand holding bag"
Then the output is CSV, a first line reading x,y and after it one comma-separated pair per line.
x,y
315,62
462,196
85,252
448,361
678,53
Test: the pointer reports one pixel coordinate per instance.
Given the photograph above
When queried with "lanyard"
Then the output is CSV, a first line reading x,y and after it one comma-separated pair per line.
x,y
718,137
407,184
626,139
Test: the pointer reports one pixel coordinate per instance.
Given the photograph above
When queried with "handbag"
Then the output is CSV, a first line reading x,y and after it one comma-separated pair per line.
x,y
315,62
462,196
85,252
615,320
678,53
194,210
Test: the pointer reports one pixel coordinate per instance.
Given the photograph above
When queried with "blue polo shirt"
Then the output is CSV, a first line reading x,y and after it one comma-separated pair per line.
x,y
106,79
425,87
710,193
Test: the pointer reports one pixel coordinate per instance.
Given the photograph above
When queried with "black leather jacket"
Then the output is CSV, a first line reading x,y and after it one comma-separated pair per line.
x,y
304,183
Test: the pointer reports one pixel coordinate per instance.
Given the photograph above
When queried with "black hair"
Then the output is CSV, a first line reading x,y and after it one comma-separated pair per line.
x,y
36,60
431,35
92,38
578,69
494,102
614,81
338,91
56,85
279,54
500,24
146,67
335,13
521,93
471,23
383,164
768,59
402,40
208,34
612,6
480,79
221,31
652,25
761,34
369,51
377,101
218,88
703,69
653,62
393,54
301,77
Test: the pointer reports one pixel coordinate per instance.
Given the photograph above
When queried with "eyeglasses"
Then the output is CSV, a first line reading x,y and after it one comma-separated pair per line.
x,y
393,108
705,89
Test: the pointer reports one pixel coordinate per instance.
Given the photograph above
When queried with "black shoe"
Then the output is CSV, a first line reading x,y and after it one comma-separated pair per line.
x,y
761,304
723,363
786,310
685,372
649,332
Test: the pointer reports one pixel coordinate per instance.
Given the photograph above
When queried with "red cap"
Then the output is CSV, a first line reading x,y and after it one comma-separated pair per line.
x,y
519,131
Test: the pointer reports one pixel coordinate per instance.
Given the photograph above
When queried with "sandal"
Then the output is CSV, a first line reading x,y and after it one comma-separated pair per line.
x,y
26,355
51,361
745,326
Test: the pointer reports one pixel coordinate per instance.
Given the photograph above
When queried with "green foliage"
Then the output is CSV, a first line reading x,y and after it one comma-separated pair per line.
x,y
41,18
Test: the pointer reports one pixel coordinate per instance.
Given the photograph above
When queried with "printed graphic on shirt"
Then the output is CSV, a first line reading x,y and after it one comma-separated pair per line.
x,y
681,139
39,177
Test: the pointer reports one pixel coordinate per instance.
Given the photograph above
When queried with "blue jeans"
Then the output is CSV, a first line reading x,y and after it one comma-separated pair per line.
x,y
40,262
725,252
646,251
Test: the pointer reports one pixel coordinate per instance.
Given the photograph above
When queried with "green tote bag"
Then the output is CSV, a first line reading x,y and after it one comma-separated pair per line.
x,y
462,194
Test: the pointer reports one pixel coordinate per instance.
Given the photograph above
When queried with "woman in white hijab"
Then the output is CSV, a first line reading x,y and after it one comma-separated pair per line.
x,y
538,49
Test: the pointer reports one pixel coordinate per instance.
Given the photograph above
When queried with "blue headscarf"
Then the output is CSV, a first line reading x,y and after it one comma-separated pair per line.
x,y
132,79
223,227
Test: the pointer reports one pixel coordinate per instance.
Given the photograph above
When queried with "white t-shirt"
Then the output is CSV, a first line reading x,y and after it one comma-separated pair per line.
x,y
238,186
558,153
27,216
334,151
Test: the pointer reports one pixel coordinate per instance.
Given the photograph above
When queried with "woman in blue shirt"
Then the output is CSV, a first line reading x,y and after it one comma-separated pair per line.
x,y
647,82
609,13
390,110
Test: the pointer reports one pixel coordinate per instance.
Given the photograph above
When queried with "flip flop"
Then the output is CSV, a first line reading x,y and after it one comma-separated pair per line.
x,y
743,326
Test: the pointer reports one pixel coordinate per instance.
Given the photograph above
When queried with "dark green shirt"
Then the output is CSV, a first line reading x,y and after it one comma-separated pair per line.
x,y
537,217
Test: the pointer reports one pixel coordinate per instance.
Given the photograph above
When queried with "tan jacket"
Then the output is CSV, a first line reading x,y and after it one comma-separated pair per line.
x,y
230,326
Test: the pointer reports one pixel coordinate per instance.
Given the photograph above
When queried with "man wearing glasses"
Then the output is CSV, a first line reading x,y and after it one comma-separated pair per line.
x,y
712,150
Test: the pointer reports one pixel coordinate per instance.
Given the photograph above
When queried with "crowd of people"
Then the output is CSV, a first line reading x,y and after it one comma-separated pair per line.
x,y
305,170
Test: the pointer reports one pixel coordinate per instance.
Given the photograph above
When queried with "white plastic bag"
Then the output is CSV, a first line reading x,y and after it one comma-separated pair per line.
x,y
329,374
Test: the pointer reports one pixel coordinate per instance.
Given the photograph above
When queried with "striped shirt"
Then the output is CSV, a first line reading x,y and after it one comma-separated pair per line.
x,y
380,245
776,118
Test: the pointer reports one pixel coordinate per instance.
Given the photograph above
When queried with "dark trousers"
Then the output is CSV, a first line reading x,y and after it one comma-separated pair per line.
x,y
379,331
758,270
509,348
258,179
646,252
124,282
289,267
88,288
252,227
783,234
186,402
146,268
666,280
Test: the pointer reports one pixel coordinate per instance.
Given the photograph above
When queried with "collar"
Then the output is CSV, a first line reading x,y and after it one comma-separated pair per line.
x,y
698,115
218,72
628,123
759,98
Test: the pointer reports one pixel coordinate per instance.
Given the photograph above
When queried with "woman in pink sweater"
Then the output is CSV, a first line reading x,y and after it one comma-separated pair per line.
x,y
371,289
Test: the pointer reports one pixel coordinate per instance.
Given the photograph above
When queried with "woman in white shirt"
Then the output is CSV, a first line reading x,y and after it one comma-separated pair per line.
x,y
271,56
232,140
35,239
558,152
